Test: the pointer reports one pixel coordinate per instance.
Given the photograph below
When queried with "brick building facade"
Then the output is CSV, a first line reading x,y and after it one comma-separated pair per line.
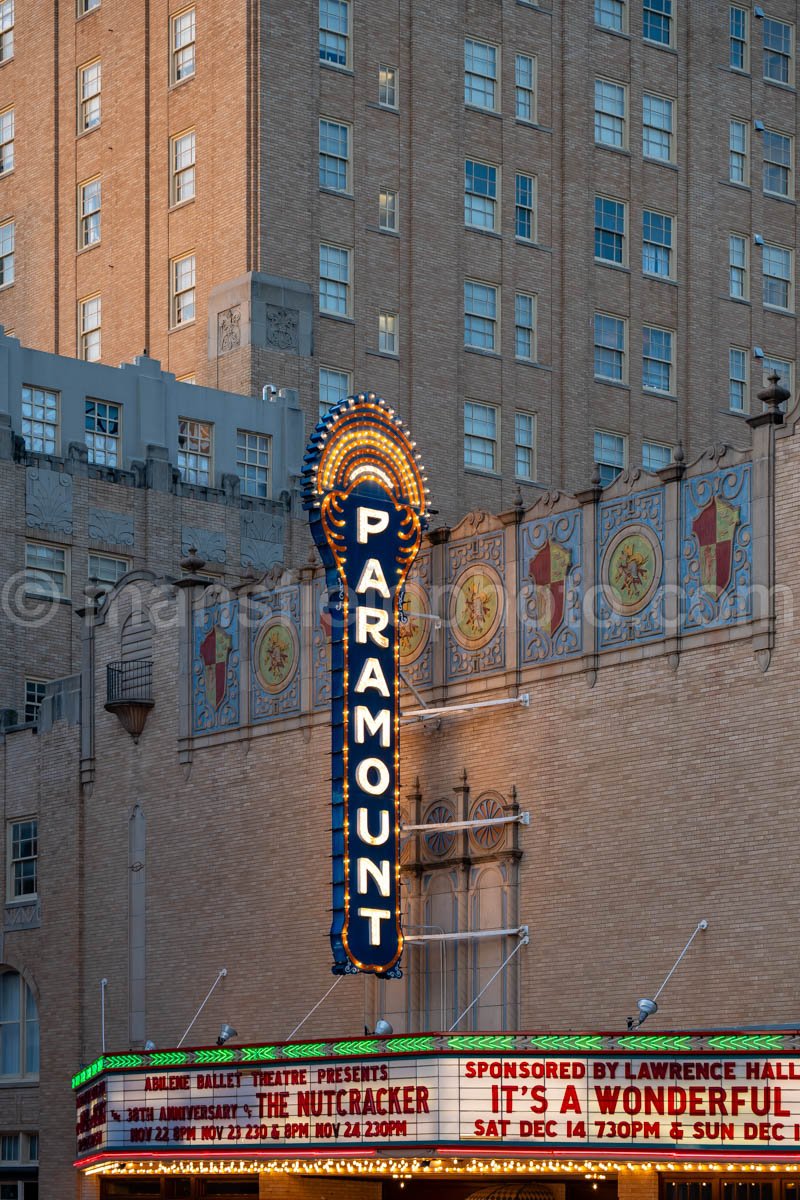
x,y
642,684
550,234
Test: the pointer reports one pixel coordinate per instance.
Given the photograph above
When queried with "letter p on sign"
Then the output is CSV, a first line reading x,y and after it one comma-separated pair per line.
x,y
371,521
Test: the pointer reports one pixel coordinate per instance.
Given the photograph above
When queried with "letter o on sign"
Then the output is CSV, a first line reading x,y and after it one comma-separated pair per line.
x,y
372,776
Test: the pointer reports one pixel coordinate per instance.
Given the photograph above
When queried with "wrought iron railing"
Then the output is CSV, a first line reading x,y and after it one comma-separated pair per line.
x,y
129,681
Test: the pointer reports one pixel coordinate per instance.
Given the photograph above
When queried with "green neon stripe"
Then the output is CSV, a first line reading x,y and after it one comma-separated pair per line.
x,y
481,1042
122,1060
169,1058
222,1055
259,1053
306,1050
566,1042
410,1045
641,1042
772,1041
88,1072
360,1047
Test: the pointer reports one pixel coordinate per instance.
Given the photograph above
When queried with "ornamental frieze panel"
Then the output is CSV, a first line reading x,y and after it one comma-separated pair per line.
x,y
630,570
417,634
113,528
551,587
215,667
476,602
716,552
48,500
321,646
275,620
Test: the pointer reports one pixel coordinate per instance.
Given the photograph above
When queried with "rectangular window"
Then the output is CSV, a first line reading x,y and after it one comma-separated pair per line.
x,y
738,283
102,431
657,22
610,14
609,454
657,244
182,300
34,694
480,436
737,152
737,380
89,213
334,280
609,347
610,106
86,6
7,242
182,167
388,333
6,30
90,328
524,445
525,207
480,315
656,359
777,269
387,86
777,366
738,58
333,386
480,195
9,1147
183,37
655,456
194,451
89,79
6,141
657,113
45,570
525,327
480,74
777,51
609,230
334,155
334,32
777,163
525,87
253,463
23,838
387,211
40,419
106,569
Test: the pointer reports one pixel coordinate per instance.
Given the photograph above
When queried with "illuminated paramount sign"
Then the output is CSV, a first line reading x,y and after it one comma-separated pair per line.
x,y
699,1105
365,496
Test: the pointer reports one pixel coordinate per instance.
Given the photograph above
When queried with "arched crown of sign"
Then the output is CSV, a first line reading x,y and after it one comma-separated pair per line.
x,y
361,439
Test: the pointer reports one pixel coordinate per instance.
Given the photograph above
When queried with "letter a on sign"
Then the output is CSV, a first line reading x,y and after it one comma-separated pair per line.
x,y
364,492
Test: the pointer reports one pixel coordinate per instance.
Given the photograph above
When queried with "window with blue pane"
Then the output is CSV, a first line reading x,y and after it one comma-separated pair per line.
x,y
609,454
480,315
480,74
656,359
609,347
252,461
19,1027
738,38
101,425
657,21
610,14
777,51
525,326
334,32
525,207
656,244
609,230
480,195
334,155
655,456
480,436
40,420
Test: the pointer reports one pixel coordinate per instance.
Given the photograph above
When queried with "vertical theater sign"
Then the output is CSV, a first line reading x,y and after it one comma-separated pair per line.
x,y
366,498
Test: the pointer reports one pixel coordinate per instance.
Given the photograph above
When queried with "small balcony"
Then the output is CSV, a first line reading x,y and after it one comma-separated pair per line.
x,y
129,693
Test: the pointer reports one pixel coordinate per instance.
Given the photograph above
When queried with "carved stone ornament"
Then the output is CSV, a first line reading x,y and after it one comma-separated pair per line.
x,y
283,327
208,543
262,540
23,916
48,500
114,528
229,329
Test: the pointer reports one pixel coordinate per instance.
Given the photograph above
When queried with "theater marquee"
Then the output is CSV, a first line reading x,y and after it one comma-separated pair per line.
x,y
453,1098
365,496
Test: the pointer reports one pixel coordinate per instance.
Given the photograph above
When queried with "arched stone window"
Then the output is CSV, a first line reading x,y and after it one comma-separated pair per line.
x,y
19,1028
